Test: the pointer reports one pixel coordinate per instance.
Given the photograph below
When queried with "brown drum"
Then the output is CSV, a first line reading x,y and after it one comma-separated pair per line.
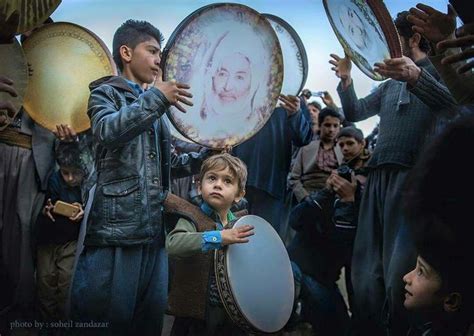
x,y
64,58
231,57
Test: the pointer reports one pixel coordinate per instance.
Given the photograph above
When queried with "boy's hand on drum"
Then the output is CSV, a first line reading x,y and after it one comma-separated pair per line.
x,y
65,133
237,235
176,93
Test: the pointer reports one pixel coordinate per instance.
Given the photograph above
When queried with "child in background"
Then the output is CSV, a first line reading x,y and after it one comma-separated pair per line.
x,y
58,234
439,291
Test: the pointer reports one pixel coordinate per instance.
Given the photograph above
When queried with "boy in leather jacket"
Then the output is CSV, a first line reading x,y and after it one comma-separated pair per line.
x,y
122,274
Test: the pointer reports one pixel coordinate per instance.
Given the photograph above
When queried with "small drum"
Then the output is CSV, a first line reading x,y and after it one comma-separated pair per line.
x,y
255,279
295,60
230,56
65,59
366,32
13,66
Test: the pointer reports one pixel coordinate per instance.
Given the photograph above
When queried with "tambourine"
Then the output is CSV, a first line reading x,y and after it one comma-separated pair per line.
x,y
255,279
295,60
65,58
366,32
231,57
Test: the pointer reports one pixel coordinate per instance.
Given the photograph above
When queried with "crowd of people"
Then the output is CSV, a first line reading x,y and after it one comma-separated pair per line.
x,y
391,214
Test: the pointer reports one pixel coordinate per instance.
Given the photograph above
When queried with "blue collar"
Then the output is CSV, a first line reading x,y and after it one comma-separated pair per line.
x,y
135,87
209,211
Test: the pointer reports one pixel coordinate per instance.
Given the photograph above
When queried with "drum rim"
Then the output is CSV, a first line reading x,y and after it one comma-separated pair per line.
x,y
389,31
299,44
227,295
99,42
172,41
226,292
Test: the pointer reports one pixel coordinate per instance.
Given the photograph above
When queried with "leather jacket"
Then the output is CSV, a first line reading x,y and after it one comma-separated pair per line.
x,y
133,163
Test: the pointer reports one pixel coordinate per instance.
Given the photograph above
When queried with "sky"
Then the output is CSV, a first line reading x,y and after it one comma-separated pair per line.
x,y
307,17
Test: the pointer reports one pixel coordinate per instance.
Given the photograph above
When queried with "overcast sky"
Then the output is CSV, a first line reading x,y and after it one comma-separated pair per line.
x,y
307,17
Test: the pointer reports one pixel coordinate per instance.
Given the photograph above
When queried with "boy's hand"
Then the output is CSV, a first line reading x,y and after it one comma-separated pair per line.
x,y
47,209
176,93
237,235
65,133
343,188
79,215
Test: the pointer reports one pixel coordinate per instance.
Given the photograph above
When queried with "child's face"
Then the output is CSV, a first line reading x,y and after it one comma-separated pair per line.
x,y
72,176
219,188
422,286
350,147
144,61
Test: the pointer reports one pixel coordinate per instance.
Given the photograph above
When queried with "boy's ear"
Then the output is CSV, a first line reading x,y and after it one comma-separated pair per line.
x,y
125,54
452,302
198,183
239,196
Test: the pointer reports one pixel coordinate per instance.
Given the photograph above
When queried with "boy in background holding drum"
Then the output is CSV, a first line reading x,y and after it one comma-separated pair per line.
x,y
221,183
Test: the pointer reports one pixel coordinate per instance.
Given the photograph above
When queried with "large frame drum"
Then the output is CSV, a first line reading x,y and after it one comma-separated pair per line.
x,y
65,59
366,32
295,60
231,57
255,280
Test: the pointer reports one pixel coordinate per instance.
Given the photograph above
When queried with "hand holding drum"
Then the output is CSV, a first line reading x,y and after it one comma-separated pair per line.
x,y
174,92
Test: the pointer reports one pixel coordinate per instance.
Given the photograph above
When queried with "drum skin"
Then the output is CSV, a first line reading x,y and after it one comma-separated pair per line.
x,y
230,56
14,67
255,279
366,32
295,60
65,59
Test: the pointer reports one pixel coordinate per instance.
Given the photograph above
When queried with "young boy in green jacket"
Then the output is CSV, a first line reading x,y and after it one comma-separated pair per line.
x,y
193,297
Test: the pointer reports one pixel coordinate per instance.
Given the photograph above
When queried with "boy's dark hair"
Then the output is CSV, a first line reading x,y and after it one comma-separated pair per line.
x,y
315,104
131,33
223,161
328,112
68,155
351,132
404,28
438,201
